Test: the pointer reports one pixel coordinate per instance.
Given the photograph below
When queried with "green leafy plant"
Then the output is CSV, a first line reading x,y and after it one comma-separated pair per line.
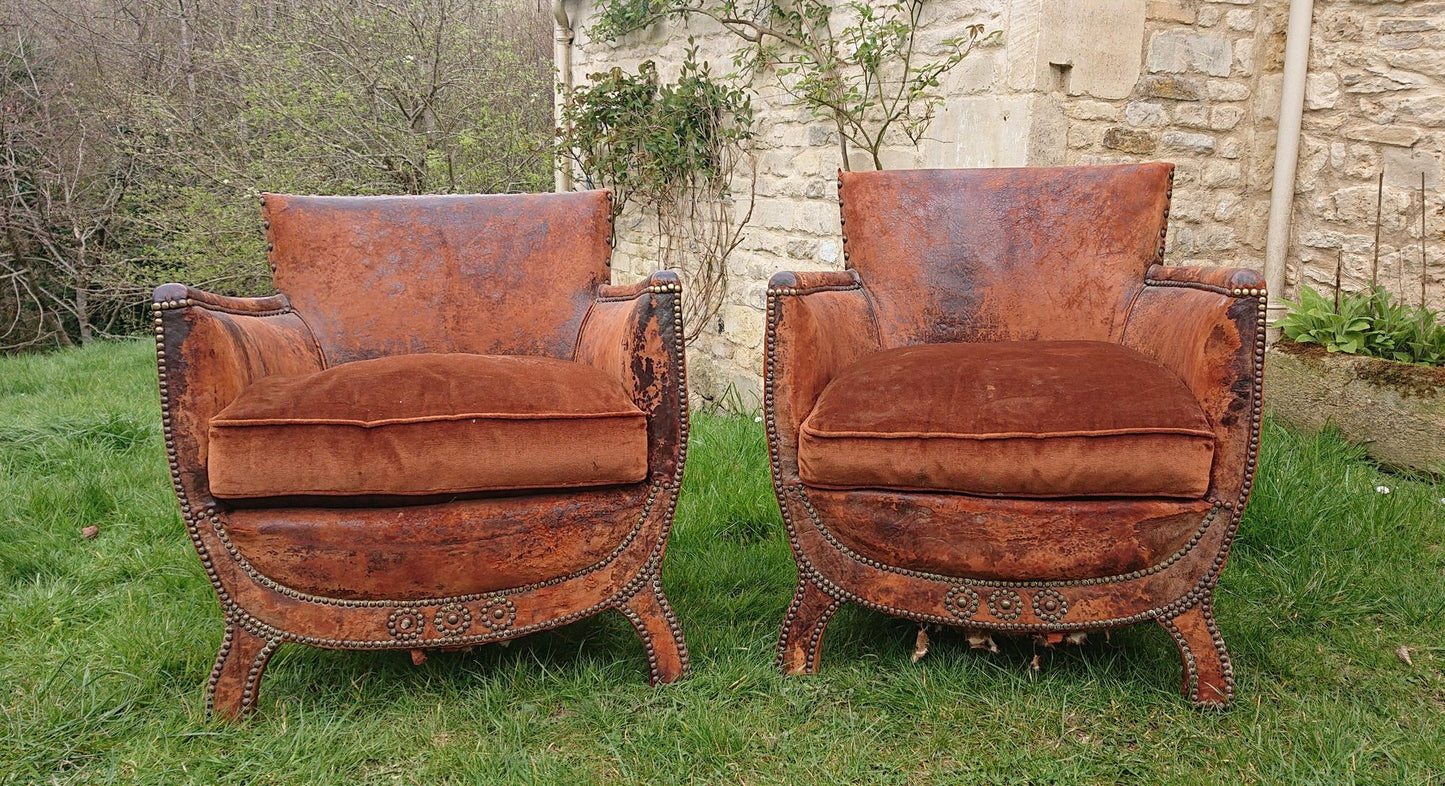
x,y
671,149
1371,323
856,65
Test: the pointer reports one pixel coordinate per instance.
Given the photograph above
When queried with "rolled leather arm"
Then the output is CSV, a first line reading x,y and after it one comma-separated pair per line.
x,y
209,348
818,324
1225,280
1207,326
177,295
634,333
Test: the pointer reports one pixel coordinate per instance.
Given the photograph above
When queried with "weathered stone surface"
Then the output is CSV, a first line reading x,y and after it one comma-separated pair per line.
x,y
1130,140
1187,142
1396,410
1400,136
1171,11
1146,114
1322,91
1165,86
1177,52
1223,118
1191,116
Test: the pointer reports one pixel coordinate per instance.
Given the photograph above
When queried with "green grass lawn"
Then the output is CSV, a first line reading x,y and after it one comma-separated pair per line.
x,y
105,644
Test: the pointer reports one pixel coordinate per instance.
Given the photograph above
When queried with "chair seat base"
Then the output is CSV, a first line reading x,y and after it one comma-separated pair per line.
x,y
262,613
1176,593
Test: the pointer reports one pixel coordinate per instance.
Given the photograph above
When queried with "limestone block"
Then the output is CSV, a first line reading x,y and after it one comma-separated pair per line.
x,y
1191,115
1229,147
1177,88
1426,110
1239,19
1209,16
1223,118
1399,136
1145,114
1187,142
1378,79
1322,90
1219,174
991,130
1415,25
1226,207
1092,110
1178,51
1404,167
1225,90
1171,11
1082,135
1428,62
1081,47
1130,140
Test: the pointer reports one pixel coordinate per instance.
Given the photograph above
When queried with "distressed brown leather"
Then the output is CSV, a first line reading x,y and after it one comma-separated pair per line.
x,y
1011,419
498,274
1026,309
494,307
446,423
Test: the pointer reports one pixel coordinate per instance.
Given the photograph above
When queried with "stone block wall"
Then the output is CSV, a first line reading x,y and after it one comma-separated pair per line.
x,y
1195,82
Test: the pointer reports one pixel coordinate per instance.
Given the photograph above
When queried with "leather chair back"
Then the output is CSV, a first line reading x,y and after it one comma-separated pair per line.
x,y
505,274
1004,254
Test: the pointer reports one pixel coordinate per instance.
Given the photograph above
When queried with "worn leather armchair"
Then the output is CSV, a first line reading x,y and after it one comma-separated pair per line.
x,y
447,429
1007,414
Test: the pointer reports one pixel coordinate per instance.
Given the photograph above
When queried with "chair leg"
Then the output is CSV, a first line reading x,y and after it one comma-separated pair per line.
x,y
651,614
803,628
1208,675
236,677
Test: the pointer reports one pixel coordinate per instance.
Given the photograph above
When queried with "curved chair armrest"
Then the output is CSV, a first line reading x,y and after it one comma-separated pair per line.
x,y
180,295
209,348
634,333
1207,326
1238,281
818,324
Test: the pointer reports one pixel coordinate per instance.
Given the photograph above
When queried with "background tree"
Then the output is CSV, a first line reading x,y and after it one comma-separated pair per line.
x,y
136,134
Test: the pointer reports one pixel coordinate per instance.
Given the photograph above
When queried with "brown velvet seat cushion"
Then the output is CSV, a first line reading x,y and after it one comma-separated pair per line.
x,y
1010,419
428,424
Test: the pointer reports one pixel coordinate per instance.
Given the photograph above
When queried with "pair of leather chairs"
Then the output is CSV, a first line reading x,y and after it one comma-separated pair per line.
x,y
448,429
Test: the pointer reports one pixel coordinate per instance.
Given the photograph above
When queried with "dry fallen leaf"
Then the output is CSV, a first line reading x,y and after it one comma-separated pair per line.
x,y
1404,655
1078,637
1034,666
1048,639
920,645
418,657
90,532
980,640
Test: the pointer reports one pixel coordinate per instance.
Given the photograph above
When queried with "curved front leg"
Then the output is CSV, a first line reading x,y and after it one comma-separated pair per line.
x,y
657,626
236,677
1208,675
803,628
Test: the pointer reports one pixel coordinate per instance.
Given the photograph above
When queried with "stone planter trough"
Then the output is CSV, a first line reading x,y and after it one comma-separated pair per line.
x,y
1397,410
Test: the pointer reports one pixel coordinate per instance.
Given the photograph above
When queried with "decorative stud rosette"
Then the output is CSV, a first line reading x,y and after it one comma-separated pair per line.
x,y
961,602
498,613
1050,605
406,623
452,619
1005,604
